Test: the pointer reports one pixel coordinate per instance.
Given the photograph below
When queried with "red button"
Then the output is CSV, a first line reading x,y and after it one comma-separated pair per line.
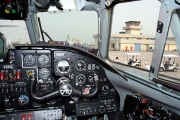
x,y
29,116
23,116
18,74
86,91
2,75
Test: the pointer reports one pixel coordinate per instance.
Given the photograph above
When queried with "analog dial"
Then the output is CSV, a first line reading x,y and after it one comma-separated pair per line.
x,y
80,79
80,65
63,66
9,100
43,59
44,73
23,99
29,60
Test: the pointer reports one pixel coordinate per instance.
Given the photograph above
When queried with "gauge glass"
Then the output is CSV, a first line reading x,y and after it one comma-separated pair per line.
x,y
44,73
9,100
23,99
63,66
29,60
80,65
43,59
80,79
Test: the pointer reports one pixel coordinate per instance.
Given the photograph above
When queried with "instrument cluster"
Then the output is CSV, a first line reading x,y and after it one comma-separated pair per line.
x,y
37,62
51,77
75,66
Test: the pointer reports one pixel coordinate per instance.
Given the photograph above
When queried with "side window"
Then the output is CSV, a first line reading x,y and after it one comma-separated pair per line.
x,y
170,62
133,32
15,32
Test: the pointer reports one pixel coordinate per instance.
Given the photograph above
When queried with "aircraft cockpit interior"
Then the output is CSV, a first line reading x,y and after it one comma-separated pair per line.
x,y
57,60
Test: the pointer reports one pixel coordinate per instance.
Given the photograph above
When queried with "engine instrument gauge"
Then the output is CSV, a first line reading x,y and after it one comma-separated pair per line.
x,y
9,100
29,59
44,73
80,79
63,66
43,59
80,65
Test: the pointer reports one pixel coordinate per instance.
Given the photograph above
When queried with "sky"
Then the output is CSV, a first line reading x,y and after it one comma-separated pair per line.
x,y
146,11
83,25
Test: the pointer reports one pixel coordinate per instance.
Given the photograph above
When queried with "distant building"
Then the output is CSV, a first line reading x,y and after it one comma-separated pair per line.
x,y
74,41
133,40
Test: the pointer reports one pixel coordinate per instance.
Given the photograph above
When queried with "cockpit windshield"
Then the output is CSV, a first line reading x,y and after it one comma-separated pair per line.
x,y
71,27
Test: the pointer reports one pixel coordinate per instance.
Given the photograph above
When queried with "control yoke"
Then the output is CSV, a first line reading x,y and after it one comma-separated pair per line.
x,y
64,89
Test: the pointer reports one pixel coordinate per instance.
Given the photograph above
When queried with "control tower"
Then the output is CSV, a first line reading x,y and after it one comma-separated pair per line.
x,y
132,27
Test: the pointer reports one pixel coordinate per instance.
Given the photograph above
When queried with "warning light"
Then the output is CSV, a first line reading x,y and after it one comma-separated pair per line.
x,y
13,11
6,11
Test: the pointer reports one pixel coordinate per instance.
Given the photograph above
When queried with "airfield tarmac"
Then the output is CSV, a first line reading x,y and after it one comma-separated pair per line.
x,y
147,57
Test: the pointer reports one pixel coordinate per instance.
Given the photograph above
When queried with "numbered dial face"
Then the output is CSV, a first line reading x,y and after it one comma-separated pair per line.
x,y
80,65
43,59
44,73
9,100
80,79
29,60
63,66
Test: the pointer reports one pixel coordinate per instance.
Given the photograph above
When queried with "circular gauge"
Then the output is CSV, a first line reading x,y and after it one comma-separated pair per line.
x,y
80,65
43,59
44,73
63,66
9,100
29,60
80,79
23,99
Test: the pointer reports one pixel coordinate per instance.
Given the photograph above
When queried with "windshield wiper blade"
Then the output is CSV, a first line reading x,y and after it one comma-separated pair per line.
x,y
47,35
42,31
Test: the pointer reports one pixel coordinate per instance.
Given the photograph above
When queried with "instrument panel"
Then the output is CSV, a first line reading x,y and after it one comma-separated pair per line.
x,y
45,77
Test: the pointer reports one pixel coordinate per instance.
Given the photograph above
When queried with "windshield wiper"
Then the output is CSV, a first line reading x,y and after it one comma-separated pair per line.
x,y
42,31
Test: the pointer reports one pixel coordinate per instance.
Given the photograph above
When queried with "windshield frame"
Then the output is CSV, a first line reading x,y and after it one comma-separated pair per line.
x,y
3,54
